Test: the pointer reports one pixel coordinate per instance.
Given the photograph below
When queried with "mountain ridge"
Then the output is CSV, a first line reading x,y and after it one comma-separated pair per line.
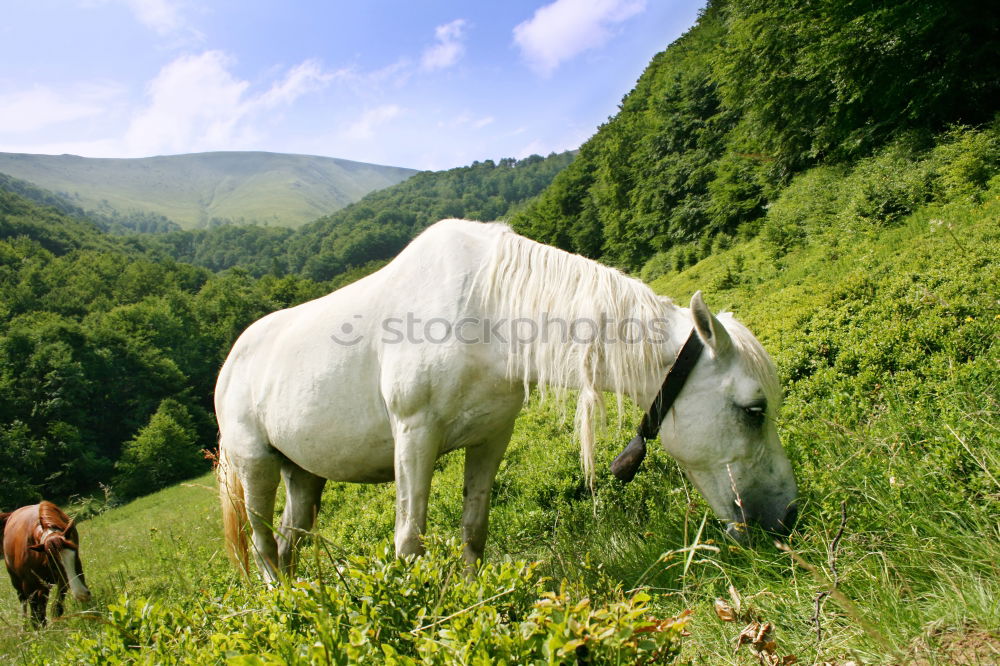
x,y
199,190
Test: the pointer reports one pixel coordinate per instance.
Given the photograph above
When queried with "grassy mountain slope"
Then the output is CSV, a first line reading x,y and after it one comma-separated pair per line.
x,y
363,236
886,342
195,190
753,94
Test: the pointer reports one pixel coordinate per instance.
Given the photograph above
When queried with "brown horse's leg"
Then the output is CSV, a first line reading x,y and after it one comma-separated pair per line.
x,y
57,611
302,494
38,600
23,593
25,603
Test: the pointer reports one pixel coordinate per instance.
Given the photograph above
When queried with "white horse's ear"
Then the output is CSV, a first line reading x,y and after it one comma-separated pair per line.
x,y
712,333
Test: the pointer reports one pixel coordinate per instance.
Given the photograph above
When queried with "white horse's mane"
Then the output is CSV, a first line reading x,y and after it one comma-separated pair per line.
x,y
525,280
756,361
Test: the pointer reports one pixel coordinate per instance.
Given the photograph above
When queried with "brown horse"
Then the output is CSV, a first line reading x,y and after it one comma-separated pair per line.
x,y
41,549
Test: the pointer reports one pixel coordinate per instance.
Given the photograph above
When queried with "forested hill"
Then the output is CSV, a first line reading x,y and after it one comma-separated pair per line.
x,y
360,237
109,347
108,355
754,93
207,189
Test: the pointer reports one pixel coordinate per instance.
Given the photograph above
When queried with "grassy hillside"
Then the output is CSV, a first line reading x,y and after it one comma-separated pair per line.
x,y
199,190
753,94
886,341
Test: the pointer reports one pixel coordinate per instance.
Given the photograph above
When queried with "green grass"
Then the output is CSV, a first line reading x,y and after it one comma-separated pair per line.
x,y
165,545
243,187
886,342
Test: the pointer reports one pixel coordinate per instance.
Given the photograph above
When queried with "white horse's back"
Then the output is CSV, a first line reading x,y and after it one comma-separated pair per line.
x,y
313,380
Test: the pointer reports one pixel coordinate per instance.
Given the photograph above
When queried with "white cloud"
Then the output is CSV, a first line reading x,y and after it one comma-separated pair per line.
x,y
305,77
364,127
565,28
197,104
449,47
163,16
41,107
468,120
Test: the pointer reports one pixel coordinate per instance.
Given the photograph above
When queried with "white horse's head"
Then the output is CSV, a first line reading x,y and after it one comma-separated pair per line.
x,y
722,427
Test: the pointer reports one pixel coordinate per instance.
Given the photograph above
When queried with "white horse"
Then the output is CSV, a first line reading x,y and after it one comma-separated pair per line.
x,y
438,350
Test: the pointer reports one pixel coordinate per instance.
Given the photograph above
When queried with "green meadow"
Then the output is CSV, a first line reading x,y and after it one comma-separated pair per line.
x,y
885,337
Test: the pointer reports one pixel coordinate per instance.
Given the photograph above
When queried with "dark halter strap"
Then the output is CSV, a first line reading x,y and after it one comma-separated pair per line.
x,y
625,466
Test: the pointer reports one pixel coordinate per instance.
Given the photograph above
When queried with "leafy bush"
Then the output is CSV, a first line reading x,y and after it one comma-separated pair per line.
x,y
384,609
885,189
964,162
164,452
659,264
880,191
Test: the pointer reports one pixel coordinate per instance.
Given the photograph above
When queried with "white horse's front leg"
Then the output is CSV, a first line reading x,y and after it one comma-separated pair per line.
x,y
417,444
481,464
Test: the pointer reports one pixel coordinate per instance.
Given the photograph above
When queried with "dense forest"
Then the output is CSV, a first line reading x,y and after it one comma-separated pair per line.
x,y
754,93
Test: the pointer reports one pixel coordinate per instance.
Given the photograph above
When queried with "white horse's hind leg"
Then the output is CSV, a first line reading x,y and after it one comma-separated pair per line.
x,y
260,475
481,464
302,494
417,443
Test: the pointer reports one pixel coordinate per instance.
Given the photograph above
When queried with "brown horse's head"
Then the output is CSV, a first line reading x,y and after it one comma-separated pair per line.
x,y
63,553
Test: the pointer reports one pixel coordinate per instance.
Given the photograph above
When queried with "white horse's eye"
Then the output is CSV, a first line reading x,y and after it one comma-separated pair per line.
x,y
755,413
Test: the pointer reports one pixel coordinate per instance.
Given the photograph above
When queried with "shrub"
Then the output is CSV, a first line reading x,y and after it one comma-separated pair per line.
x,y
384,609
659,264
884,189
810,203
162,453
964,163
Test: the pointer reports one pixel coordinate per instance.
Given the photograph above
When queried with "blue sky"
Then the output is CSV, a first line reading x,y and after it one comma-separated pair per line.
x,y
428,84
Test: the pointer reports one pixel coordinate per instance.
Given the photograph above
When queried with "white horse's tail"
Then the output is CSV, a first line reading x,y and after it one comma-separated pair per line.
x,y
234,511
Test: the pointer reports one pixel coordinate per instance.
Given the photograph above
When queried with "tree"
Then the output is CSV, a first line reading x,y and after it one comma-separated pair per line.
x,y
835,79
164,452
